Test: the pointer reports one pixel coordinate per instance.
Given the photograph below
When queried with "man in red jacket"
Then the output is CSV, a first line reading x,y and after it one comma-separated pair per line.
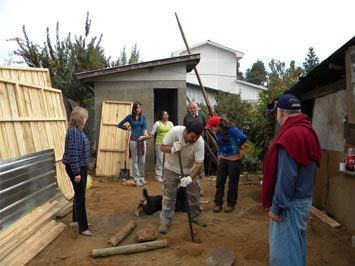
x,y
289,175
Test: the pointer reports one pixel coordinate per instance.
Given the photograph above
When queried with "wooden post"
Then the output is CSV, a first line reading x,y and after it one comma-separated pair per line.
x,y
128,249
122,233
195,69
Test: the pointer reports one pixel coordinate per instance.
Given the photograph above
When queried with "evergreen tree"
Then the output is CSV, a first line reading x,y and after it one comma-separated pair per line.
x,y
256,74
134,58
311,60
240,75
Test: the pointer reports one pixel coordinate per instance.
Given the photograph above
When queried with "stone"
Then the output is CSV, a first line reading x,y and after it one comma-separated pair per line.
x,y
73,230
221,257
147,234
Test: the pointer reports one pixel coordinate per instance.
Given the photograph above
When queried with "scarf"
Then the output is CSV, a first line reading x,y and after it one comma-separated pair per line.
x,y
301,143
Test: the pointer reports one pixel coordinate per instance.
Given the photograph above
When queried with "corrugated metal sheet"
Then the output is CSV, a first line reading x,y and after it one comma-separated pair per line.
x,y
26,182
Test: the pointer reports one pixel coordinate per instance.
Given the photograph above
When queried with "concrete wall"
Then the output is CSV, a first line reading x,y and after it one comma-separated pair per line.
x,y
135,88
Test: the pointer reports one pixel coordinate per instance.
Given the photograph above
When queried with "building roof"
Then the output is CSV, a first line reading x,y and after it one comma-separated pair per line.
x,y
190,60
328,71
238,54
259,87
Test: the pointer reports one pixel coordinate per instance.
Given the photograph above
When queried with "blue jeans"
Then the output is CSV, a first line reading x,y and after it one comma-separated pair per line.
x,y
288,244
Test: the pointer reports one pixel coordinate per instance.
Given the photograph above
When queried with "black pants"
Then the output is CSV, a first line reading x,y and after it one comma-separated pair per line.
x,y
232,170
79,209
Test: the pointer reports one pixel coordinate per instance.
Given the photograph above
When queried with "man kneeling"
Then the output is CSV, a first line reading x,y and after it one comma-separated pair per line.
x,y
188,141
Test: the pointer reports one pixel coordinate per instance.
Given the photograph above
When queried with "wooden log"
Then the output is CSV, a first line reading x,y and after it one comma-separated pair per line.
x,y
128,249
122,233
73,230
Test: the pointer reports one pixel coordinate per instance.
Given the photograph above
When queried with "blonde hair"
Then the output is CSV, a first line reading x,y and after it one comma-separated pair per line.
x,y
78,117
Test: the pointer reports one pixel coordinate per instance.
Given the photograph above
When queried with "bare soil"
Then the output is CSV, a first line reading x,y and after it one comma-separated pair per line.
x,y
110,205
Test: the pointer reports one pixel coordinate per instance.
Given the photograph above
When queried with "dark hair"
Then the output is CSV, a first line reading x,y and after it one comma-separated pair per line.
x,y
194,126
134,110
225,126
161,113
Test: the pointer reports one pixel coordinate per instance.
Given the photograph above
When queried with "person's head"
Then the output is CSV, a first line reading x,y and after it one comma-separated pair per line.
x,y
78,117
193,131
193,108
213,123
163,116
287,105
136,109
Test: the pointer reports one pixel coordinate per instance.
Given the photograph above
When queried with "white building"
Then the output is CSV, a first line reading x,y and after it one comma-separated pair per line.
x,y
217,69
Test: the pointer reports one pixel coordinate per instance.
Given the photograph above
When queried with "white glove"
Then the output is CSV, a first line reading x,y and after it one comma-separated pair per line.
x,y
177,145
185,181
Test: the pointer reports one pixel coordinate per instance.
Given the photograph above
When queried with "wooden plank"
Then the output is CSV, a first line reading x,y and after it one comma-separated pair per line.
x,y
324,217
28,218
25,232
34,247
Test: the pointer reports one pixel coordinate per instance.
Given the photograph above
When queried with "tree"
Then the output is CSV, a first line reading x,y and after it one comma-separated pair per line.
x,y
256,74
134,58
240,75
64,59
311,60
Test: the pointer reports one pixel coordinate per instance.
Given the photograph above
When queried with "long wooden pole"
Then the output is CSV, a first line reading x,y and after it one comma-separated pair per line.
x,y
195,69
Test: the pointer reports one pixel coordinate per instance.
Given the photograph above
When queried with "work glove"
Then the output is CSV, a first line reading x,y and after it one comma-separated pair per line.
x,y
177,145
185,181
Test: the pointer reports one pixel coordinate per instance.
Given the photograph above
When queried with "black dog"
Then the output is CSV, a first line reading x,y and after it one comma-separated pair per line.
x,y
151,204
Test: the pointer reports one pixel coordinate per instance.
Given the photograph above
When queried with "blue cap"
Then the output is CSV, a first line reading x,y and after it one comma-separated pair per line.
x,y
288,102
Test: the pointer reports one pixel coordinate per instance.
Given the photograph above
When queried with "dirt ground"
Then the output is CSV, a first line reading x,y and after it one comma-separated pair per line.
x,y
111,205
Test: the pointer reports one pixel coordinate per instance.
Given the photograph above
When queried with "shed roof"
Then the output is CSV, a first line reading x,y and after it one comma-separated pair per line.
x,y
328,71
189,60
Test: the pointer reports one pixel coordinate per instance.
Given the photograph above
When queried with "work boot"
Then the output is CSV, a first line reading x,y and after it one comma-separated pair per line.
x,y
229,208
217,208
163,228
200,222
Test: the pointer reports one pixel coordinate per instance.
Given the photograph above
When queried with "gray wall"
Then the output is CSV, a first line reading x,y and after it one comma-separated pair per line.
x,y
142,91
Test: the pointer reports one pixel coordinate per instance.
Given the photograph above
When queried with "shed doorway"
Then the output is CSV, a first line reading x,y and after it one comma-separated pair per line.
x,y
166,99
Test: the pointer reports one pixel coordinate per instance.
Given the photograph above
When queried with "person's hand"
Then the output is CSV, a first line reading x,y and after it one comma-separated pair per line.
x,y
177,145
276,218
185,181
77,179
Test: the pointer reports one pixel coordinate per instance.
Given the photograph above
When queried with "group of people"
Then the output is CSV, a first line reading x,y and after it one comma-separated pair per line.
x,y
289,169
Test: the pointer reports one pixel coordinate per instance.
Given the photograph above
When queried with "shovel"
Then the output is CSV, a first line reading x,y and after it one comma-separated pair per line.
x,y
124,173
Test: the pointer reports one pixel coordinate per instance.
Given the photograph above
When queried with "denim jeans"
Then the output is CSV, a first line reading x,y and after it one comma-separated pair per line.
x,y
288,243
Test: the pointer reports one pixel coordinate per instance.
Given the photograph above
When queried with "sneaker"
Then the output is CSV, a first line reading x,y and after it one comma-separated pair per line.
x,y
138,184
143,182
201,192
87,233
159,179
217,208
200,222
163,228
229,208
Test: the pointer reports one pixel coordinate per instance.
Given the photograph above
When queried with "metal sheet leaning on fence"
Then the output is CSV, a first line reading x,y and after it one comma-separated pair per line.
x,y
189,142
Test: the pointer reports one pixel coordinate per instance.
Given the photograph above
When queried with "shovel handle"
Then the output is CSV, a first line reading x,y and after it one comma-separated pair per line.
x,y
184,189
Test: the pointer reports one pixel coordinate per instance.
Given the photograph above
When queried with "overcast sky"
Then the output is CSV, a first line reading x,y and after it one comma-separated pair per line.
x,y
279,29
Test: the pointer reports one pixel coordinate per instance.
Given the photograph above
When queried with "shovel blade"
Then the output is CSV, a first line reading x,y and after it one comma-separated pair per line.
x,y
124,174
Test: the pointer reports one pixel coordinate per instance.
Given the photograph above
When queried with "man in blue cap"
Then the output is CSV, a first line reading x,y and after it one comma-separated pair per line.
x,y
289,176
